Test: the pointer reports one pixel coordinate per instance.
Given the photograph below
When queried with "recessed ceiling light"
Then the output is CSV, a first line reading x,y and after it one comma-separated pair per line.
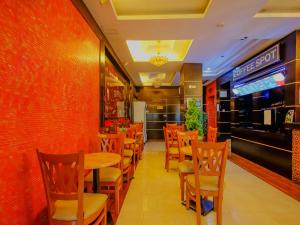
x,y
208,68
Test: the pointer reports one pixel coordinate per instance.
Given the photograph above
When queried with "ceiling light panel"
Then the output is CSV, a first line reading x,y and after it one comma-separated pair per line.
x,y
279,8
158,9
151,77
174,50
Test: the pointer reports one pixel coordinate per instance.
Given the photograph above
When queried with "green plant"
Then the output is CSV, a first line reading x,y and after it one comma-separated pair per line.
x,y
194,117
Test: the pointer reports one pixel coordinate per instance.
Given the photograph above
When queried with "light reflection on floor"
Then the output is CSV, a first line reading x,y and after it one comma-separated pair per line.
x,y
153,197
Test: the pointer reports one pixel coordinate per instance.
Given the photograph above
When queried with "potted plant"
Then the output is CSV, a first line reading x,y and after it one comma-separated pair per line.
x,y
194,118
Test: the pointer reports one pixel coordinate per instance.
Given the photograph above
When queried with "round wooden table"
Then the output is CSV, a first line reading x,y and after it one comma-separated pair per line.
x,y
96,161
127,141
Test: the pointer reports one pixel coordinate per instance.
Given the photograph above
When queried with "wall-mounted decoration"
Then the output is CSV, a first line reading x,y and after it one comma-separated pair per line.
x,y
289,117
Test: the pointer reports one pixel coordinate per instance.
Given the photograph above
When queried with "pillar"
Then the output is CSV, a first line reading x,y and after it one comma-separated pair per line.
x,y
191,84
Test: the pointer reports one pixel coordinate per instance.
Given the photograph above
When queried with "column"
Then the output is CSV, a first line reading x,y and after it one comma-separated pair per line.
x,y
191,85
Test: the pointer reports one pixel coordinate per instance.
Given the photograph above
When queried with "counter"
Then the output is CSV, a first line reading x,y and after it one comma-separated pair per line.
x,y
270,150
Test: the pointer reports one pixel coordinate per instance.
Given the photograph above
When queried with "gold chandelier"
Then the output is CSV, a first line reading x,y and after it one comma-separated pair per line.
x,y
158,60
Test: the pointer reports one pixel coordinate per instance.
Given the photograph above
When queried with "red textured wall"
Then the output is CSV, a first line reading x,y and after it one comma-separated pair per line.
x,y
49,97
211,108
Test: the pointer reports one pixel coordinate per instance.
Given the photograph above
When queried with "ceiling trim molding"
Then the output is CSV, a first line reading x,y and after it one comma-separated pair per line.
x,y
85,13
277,15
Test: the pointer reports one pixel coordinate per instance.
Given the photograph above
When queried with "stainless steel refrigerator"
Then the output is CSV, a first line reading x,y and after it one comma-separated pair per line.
x,y
139,115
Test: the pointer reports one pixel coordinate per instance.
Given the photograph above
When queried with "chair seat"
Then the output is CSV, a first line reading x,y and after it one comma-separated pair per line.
x,y
173,150
186,166
207,183
66,210
107,174
187,150
128,153
126,161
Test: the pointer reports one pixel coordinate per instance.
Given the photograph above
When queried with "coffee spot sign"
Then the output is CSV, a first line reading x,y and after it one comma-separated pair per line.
x,y
268,57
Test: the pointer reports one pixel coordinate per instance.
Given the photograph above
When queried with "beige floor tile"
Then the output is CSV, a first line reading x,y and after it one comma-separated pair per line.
x,y
154,197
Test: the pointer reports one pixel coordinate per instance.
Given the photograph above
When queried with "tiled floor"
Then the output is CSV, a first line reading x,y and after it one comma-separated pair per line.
x,y
153,197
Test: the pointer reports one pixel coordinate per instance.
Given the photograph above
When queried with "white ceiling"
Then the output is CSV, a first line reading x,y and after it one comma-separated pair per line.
x,y
218,47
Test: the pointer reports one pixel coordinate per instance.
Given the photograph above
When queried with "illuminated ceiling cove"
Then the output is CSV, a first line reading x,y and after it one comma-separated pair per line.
x,y
150,78
174,50
159,9
279,8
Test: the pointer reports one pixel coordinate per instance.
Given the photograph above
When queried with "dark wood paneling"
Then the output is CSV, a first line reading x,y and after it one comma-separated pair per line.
x,y
163,107
155,134
192,88
173,108
155,125
175,117
155,117
224,116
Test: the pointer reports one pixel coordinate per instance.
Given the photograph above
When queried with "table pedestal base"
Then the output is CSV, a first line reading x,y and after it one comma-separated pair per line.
x,y
206,206
95,180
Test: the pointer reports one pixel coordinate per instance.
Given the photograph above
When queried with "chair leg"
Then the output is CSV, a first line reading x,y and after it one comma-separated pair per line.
x,y
168,162
141,149
219,210
134,162
187,199
181,177
215,199
104,222
117,197
198,210
127,175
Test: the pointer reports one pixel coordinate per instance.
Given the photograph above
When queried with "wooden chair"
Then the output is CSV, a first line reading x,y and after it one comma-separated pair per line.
x,y
63,181
212,134
140,138
185,167
126,162
209,160
132,149
168,125
110,177
172,152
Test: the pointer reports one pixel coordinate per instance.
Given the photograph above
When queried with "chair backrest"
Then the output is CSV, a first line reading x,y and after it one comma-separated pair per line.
x,y
172,135
113,143
110,143
209,159
139,126
185,140
63,179
165,136
171,125
131,132
212,134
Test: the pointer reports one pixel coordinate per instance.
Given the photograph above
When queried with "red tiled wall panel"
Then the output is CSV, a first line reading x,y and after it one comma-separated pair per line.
x,y
49,97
